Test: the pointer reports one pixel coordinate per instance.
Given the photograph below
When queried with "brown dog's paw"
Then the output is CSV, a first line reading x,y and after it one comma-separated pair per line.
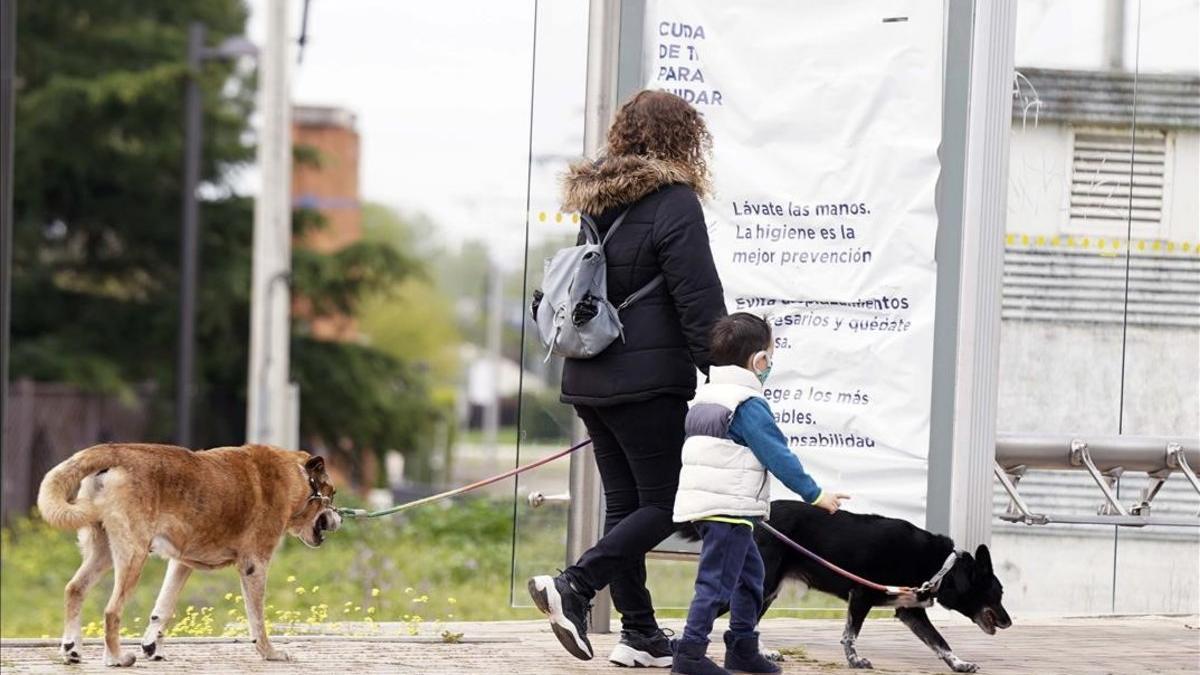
x,y
70,654
277,655
152,651
125,660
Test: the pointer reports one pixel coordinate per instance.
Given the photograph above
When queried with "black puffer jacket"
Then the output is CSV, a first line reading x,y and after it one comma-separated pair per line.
x,y
666,333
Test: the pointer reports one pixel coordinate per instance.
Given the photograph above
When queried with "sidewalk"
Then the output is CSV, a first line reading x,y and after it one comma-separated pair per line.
x,y
1068,646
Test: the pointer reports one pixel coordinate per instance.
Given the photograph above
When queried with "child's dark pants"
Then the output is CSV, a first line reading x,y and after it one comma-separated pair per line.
x,y
730,573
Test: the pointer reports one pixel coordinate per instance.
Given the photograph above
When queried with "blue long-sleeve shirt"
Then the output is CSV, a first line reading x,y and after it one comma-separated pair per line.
x,y
754,426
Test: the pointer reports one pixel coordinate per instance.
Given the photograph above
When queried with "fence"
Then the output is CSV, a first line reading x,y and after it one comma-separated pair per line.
x,y
48,421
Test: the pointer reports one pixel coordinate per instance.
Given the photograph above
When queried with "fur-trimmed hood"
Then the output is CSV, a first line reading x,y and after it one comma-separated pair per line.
x,y
594,187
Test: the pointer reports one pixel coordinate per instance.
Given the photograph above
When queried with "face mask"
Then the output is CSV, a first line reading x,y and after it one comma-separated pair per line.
x,y
762,376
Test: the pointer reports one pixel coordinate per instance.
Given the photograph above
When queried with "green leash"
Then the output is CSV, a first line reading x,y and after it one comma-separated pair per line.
x,y
363,513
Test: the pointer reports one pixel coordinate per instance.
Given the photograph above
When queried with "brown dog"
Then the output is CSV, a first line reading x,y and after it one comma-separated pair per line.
x,y
200,510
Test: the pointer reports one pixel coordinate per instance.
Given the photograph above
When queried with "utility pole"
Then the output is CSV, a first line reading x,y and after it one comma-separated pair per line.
x,y
189,248
8,64
267,418
189,239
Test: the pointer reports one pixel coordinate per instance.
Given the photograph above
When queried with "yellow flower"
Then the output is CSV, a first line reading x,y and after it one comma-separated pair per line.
x,y
408,591
374,592
451,600
300,590
370,610
315,589
291,578
229,596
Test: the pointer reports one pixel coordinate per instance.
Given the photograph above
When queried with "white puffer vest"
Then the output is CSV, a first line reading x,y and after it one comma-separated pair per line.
x,y
720,477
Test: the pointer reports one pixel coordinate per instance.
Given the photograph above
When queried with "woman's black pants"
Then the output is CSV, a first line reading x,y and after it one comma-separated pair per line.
x,y
637,448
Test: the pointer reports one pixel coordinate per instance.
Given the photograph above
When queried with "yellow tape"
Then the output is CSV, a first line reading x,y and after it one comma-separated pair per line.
x,y
558,216
1104,246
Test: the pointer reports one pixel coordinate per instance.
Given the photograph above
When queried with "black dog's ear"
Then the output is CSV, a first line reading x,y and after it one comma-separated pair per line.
x,y
315,465
983,558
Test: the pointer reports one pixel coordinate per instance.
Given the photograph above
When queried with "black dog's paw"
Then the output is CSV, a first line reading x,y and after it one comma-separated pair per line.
x,y
860,662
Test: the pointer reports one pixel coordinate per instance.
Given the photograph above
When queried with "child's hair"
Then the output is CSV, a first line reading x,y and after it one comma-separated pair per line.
x,y
737,337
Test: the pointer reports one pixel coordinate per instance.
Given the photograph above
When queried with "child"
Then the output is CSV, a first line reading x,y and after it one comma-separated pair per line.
x,y
732,443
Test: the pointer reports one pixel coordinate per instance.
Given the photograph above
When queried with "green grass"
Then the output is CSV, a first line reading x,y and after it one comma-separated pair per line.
x,y
505,436
438,563
449,561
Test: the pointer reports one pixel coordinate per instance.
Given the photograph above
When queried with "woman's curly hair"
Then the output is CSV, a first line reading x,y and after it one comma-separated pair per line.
x,y
660,125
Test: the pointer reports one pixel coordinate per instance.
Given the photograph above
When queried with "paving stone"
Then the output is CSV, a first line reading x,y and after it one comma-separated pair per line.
x,y
1086,646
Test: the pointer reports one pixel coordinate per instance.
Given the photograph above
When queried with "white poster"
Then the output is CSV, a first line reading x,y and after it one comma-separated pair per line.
x,y
826,119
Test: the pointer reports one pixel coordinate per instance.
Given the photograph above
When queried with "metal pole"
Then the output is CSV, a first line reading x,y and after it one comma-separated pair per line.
x,y
189,239
583,525
491,411
1114,35
8,63
270,303
977,116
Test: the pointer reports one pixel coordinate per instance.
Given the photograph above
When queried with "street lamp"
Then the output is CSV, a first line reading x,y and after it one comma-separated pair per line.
x,y
232,48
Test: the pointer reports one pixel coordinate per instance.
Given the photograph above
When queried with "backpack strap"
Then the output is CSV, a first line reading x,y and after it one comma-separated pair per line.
x,y
643,291
591,233
613,228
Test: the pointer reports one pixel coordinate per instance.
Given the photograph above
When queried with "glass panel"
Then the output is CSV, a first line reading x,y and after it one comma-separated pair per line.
x,y
1100,311
1060,351
1158,568
546,425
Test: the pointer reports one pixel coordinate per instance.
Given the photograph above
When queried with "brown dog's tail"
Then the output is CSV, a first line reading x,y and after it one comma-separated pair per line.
x,y
61,485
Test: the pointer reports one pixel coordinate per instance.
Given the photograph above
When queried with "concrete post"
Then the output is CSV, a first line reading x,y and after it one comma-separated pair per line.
x,y
586,510
977,115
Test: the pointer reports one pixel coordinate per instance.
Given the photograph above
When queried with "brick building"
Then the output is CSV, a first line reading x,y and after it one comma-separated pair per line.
x,y
331,187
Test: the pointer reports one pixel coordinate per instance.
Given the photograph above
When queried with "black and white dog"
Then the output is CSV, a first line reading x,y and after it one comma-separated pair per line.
x,y
887,551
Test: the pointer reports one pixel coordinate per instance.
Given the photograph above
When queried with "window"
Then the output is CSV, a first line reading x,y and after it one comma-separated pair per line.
x,y
1102,184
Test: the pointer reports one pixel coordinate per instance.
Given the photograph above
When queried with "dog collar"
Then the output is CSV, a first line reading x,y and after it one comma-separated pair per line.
x,y
927,590
314,494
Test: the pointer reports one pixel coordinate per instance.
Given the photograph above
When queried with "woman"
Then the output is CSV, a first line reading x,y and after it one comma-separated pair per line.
x,y
633,396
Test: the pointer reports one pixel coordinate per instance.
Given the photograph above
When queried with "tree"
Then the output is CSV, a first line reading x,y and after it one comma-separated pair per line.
x,y
95,279
414,320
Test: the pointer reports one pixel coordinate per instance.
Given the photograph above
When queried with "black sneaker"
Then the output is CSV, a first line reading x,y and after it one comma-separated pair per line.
x,y
638,650
568,610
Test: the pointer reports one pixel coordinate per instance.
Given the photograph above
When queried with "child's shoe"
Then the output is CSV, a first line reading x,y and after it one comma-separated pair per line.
x,y
743,656
690,660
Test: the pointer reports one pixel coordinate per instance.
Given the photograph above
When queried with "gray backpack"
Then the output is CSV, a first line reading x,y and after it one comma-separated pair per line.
x,y
573,315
